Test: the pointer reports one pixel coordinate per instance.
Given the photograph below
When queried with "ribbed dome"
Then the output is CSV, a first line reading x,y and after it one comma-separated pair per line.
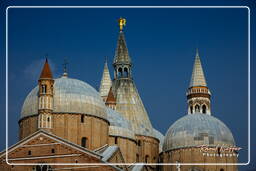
x,y
160,137
119,126
197,129
70,96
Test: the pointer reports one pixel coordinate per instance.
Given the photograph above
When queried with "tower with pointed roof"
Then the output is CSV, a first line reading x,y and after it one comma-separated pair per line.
x,y
122,61
130,105
45,95
198,94
105,83
199,136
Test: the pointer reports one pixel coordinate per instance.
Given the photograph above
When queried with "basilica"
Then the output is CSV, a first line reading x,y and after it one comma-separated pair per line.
x,y
65,124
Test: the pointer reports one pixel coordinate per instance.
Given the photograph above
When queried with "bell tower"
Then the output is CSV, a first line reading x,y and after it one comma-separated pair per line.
x,y
126,100
122,61
45,98
198,94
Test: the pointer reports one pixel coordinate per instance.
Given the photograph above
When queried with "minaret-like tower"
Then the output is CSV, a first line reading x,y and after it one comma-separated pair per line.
x,y
105,83
122,61
45,95
129,103
198,94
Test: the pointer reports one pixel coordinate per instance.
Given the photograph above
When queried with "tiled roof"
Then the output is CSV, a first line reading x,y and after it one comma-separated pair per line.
x,y
46,72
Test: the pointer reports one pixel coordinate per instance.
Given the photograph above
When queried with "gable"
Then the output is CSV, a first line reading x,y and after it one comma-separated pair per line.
x,y
112,154
43,147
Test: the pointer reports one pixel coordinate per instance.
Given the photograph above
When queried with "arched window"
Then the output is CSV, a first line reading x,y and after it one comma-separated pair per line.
x,y
29,152
221,169
191,109
43,168
82,118
83,142
116,140
139,143
48,119
53,150
119,73
197,108
125,72
146,158
137,157
44,88
204,108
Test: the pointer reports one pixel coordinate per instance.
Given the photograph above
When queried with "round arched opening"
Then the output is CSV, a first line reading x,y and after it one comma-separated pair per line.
x,y
119,72
204,108
197,108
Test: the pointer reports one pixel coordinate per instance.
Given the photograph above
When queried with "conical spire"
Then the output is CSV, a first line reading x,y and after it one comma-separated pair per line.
x,y
198,94
121,54
46,72
106,82
197,78
111,98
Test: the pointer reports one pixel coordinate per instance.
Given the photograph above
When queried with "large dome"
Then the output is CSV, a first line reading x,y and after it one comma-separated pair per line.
x,y
119,126
70,96
197,129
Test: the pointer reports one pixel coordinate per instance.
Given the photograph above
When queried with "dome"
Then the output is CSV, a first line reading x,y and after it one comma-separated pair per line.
x,y
160,137
119,126
70,96
197,129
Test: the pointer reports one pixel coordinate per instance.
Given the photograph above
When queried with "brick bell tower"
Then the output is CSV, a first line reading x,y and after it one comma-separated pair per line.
x,y
198,94
45,98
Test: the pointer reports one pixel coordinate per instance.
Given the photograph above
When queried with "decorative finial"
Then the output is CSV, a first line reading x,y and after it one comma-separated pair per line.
x,y
65,67
197,53
121,22
46,57
106,59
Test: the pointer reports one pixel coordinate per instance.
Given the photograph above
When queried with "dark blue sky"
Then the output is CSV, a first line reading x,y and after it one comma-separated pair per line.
x,y
162,45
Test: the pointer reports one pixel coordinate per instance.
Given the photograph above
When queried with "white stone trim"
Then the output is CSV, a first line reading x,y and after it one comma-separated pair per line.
x,y
43,157
35,145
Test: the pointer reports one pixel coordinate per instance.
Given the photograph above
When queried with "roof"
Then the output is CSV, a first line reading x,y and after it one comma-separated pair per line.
x,y
130,105
111,98
160,137
137,167
106,82
70,96
197,129
46,71
121,54
197,78
109,152
116,119
119,125
56,138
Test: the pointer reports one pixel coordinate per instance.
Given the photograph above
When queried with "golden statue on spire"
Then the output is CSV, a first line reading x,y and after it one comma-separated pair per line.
x,y
121,22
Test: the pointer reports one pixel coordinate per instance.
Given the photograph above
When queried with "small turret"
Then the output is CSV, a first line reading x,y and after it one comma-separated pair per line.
x,y
45,102
111,100
198,94
105,83
122,61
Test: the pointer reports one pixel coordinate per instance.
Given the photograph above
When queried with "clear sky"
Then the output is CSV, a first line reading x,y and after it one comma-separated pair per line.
x,y
161,43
